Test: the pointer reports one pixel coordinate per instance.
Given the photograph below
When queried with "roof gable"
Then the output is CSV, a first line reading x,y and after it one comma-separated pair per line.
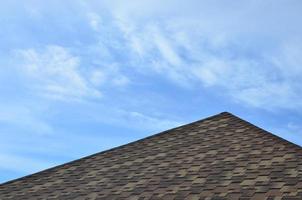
x,y
221,156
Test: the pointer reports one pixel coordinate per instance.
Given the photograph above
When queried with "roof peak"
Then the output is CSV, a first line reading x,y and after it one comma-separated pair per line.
x,y
211,151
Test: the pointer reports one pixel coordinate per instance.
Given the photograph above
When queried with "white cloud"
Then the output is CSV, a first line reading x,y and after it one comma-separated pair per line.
x,y
94,21
55,73
233,47
166,50
242,53
109,75
151,123
269,95
118,116
288,59
98,77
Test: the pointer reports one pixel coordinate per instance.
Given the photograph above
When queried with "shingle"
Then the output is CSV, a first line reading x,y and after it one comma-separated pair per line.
x,y
220,157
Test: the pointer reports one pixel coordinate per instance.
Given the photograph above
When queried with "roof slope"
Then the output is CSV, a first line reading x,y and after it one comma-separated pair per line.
x,y
220,157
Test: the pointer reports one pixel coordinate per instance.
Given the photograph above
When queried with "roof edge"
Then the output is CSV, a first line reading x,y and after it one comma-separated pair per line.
x,y
118,147
265,131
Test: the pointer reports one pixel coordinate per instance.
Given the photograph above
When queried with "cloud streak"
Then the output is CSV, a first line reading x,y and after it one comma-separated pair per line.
x,y
223,52
55,73
243,53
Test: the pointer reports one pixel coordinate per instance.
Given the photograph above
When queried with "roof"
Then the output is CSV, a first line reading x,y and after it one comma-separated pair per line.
x,y
220,157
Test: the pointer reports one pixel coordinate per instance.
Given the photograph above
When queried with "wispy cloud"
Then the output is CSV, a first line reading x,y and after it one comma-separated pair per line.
x,y
121,116
225,53
95,21
109,75
55,73
139,120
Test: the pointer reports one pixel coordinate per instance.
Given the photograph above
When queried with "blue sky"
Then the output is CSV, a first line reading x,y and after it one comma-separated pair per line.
x,y
78,77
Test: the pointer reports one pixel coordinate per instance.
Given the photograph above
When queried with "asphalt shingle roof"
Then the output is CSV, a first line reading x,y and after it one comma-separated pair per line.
x,y
220,157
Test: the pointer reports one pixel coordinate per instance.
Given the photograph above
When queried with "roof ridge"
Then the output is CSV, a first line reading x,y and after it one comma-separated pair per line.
x,y
219,115
207,152
118,147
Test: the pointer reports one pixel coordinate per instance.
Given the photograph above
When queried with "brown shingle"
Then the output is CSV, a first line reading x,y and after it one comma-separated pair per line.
x,y
221,157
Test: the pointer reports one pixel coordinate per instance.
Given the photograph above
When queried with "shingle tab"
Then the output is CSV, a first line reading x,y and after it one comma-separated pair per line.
x,y
220,157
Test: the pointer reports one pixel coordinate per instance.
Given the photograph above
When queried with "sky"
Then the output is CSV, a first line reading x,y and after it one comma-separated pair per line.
x,y
78,77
